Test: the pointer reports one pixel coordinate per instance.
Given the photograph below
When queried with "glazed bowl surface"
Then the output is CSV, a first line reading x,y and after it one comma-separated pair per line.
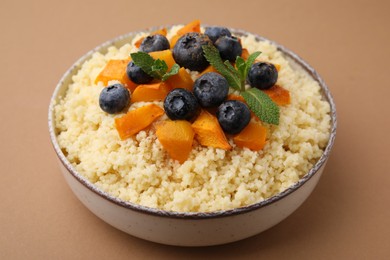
x,y
197,228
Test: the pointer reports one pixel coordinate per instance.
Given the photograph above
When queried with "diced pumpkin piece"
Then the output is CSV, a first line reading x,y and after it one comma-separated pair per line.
x,y
112,71
137,119
253,136
150,92
245,53
162,31
138,42
279,95
176,137
193,26
173,40
181,80
165,55
209,132
116,70
207,70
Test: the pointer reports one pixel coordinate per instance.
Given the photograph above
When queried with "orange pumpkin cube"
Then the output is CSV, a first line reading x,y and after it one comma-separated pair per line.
x,y
209,132
181,80
137,119
138,42
116,70
150,92
208,69
162,31
173,40
279,95
253,136
165,55
193,26
245,53
176,137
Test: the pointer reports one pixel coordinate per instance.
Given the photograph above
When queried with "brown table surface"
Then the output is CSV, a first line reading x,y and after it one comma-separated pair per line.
x,y
346,217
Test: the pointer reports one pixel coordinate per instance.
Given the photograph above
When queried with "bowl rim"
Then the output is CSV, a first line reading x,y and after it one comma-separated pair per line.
x,y
194,215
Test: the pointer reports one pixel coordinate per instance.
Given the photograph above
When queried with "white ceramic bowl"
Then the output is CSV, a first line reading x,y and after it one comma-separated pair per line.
x,y
190,229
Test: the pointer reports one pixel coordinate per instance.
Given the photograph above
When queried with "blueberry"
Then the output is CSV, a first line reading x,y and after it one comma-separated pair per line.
x,y
137,75
215,32
229,47
188,52
155,42
233,116
114,98
180,104
211,89
262,75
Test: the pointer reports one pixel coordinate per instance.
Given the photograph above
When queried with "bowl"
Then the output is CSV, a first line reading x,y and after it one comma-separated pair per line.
x,y
196,228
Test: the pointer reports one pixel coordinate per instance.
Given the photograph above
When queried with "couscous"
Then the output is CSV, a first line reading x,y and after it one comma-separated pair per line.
x,y
140,171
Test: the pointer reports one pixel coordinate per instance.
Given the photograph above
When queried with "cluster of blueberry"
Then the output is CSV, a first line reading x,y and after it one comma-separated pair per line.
x,y
209,90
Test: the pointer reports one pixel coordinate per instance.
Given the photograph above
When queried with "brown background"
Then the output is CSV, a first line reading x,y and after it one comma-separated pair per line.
x,y
346,217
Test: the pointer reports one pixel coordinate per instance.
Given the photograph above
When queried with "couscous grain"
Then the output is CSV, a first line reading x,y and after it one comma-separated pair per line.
x,y
140,171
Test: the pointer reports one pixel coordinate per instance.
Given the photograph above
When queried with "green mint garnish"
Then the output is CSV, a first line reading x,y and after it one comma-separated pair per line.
x,y
157,69
235,77
241,67
259,102
212,56
174,70
262,105
244,66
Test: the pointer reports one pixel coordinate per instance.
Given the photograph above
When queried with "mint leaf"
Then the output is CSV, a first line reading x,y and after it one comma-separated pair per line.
x,y
257,100
159,68
249,62
144,61
154,68
212,55
174,70
262,105
241,66
235,77
231,68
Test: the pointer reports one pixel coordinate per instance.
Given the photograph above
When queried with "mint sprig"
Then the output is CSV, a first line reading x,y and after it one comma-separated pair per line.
x,y
259,102
236,77
244,66
157,69
174,70
262,105
212,56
